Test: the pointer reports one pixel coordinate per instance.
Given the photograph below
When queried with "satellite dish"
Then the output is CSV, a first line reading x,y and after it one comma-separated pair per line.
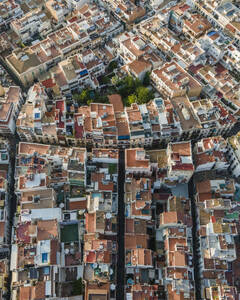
x,y
108,215
112,287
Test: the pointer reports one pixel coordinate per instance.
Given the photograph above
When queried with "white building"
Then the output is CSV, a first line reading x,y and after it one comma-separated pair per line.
x,y
233,154
210,154
11,101
30,24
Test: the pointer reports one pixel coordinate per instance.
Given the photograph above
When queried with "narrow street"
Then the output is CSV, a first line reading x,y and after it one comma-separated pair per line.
x,y
195,241
121,228
11,202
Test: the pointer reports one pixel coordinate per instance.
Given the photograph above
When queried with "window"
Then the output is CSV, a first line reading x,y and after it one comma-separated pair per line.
x,y
37,116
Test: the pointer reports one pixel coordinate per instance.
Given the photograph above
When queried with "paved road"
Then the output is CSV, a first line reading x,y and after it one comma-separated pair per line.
x,y
121,228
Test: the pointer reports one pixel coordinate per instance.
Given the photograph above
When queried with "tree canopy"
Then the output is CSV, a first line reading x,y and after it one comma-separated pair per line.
x,y
113,65
131,99
146,79
141,95
78,287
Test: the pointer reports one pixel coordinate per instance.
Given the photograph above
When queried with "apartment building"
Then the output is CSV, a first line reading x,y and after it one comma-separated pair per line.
x,y
30,63
136,161
100,246
171,166
180,167
221,84
123,134
213,116
233,154
138,56
58,10
158,33
75,4
140,259
11,101
47,235
223,15
173,81
9,10
189,54
173,240
127,11
32,23
135,123
210,154
75,73
217,230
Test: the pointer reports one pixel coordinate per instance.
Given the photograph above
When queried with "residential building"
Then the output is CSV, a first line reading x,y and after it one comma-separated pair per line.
x,y
11,101
210,154
233,154
217,230
174,248
58,10
136,161
75,73
173,81
180,167
9,10
223,15
33,23
48,233
127,11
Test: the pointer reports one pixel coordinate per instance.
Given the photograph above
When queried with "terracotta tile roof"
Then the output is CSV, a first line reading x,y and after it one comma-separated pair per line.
x,y
54,249
175,217
22,232
47,229
203,187
137,240
135,158
116,101
2,228
139,66
182,148
73,205
90,222
36,292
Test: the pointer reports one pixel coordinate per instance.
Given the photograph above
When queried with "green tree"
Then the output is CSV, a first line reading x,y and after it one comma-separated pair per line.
x,y
77,287
146,79
84,96
115,80
129,84
113,65
21,45
144,95
89,102
131,99
76,97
